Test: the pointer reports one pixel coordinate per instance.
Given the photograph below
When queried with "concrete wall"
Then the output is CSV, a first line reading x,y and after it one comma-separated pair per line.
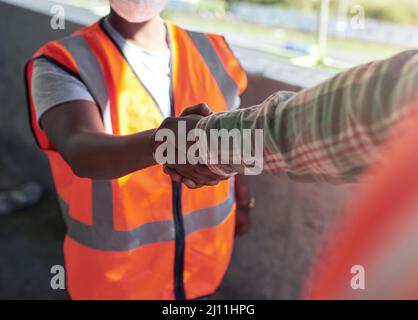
x,y
270,263
22,32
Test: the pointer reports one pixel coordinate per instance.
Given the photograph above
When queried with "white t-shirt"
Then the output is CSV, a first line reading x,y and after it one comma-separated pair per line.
x,y
152,68
52,86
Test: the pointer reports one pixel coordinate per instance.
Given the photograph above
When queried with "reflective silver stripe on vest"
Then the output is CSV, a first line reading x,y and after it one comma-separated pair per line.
x,y
91,74
100,237
225,83
102,204
208,217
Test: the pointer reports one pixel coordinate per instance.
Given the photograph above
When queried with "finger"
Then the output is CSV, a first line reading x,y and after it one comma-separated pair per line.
x,y
198,174
203,171
202,180
191,184
198,178
200,109
194,180
186,172
216,176
175,176
212,183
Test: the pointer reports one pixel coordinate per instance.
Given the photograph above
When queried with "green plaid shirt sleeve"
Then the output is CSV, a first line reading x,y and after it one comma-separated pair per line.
x,y
332,131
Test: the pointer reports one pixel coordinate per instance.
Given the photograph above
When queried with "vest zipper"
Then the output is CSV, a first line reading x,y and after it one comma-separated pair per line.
x,y
179,243
180,237
177,212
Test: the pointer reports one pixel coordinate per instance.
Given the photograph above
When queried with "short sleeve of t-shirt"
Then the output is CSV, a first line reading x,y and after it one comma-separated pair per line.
x,y
52,86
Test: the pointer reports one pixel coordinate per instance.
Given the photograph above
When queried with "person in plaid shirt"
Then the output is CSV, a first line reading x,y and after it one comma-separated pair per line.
x,y
364,117
331,132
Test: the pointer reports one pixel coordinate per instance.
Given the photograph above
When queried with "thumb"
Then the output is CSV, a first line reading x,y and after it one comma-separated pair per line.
x,y
201,109
172,173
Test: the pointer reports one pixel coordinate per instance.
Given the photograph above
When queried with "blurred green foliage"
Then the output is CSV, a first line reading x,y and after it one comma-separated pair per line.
x,y
399,11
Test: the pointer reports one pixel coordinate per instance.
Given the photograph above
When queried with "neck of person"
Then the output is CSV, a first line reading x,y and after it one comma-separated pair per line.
x,y
150,35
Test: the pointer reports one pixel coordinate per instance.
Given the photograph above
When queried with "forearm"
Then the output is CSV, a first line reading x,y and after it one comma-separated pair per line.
x,y
103,156
332,131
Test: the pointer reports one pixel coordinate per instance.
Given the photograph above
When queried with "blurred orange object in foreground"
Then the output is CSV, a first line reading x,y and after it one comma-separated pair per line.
x,y
373,252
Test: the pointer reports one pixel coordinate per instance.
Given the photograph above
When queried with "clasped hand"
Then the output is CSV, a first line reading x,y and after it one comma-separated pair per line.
x,y
192,175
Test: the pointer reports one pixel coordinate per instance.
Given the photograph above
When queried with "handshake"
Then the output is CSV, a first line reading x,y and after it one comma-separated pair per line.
x,y
182,151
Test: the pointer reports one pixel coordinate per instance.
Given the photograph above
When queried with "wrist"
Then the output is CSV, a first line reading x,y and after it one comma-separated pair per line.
x,y
153,145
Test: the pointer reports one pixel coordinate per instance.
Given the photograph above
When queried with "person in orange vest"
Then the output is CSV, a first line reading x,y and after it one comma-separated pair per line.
x,y
96,99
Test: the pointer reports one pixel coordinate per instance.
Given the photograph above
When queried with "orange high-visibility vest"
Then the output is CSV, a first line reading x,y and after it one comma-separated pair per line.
x,y
373,251
143,236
